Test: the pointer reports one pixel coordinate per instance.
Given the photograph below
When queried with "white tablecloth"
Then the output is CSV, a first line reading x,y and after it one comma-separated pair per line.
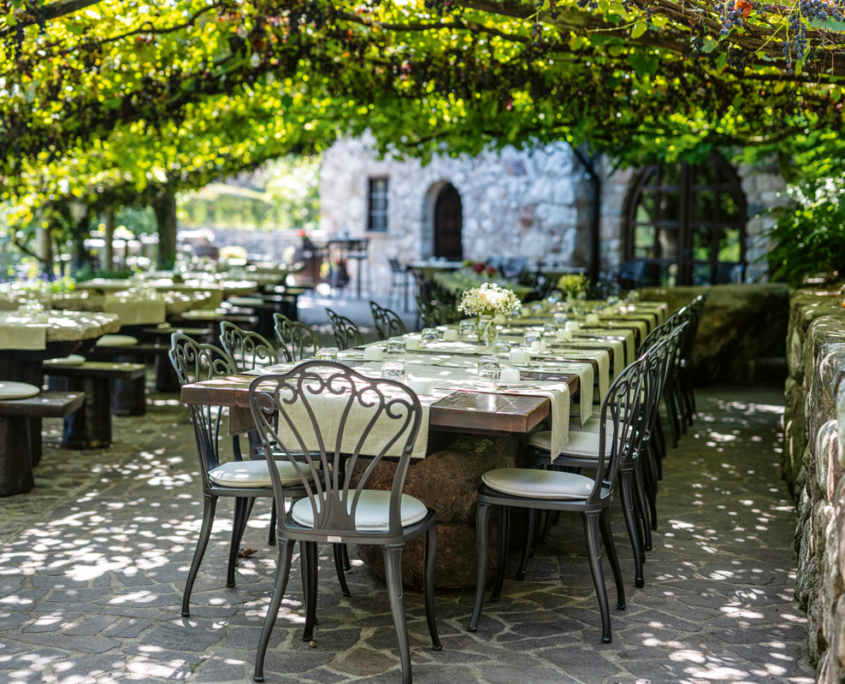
x,y
136,311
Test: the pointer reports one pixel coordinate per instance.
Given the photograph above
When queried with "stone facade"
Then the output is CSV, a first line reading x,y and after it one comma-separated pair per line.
x,y
812,464
534,204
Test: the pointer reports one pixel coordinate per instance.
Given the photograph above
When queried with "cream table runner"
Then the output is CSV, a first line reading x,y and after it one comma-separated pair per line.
x,y
447,380
20,331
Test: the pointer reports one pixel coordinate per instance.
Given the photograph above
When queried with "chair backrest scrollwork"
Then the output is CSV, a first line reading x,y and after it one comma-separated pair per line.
x,y
248,350
329,413
387,322
346,333
297,339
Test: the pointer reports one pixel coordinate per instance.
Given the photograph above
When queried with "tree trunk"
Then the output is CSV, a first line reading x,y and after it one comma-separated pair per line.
x,y
108,248
82,226
164,207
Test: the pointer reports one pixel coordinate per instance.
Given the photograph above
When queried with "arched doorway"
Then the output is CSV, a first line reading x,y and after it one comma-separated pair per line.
x,y
448,221
685,225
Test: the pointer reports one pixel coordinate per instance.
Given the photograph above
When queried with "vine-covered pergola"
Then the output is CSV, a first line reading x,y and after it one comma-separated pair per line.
x,y
106,101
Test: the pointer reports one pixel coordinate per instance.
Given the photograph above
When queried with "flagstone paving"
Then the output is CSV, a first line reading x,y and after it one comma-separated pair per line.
x,y
93,562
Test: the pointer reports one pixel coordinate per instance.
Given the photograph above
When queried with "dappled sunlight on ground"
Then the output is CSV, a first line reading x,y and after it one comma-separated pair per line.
x,y
94,561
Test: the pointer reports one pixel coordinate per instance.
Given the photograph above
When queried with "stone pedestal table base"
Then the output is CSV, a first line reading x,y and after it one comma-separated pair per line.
x,y
448,482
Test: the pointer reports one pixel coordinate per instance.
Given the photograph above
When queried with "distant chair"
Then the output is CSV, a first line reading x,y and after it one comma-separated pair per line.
x,y
297,339
346,333
428,312
513,267
248,350
388,324
398,281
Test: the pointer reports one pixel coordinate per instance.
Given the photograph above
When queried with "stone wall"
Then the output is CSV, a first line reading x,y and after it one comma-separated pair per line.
x,y
532,204
814,423
741,323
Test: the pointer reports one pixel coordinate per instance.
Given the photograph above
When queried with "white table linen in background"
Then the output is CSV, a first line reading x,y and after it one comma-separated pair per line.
x,y
20,331
134,310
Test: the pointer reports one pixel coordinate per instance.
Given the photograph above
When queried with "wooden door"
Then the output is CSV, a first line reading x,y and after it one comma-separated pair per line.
x,y
448,221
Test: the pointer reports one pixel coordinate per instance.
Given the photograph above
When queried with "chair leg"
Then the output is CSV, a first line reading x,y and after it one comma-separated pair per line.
x,y
310,552
338,565
647,481
209,507
661,438
673,417
345,551
627,495
547,528
393,576
678,391
428,585
502,562
642,500
610,547
241,505
591,534
279,586
272,535
529,538
482,521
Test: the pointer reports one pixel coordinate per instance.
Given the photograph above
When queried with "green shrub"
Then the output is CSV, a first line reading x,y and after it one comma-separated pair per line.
x,y
809,238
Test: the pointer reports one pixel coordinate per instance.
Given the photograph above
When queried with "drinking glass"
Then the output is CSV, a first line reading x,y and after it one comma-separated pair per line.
x,y
549,328
560,321
429,336
326,354
531,336
393,370
396,345
488,368
467,328
501,347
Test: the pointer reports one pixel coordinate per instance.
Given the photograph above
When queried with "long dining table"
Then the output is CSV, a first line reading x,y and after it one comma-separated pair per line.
x,y
473,426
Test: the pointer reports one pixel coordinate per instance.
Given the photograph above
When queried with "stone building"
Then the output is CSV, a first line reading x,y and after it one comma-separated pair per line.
x,y
679,224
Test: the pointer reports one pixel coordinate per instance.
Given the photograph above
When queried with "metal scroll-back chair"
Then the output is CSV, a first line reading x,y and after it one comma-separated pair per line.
x,y
685,371
248,350
553,491
242,480
381,414
387,322
346,333
297,339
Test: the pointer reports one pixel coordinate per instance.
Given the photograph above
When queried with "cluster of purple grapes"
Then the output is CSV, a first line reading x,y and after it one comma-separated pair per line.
x,y
731,16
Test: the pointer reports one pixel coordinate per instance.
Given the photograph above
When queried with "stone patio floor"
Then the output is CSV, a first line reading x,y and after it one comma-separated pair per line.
x,y
93,562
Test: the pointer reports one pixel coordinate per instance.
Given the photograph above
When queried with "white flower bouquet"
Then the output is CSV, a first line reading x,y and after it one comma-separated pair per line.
x,y
489,300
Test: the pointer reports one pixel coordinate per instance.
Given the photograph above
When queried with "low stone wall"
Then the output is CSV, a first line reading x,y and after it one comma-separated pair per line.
x,y
741,323
812,466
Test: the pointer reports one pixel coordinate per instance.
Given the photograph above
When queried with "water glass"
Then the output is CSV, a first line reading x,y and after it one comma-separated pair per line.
x,y
531,336
429,336
501,347
326,354
467,328
396,345
393,370
549,328
488,368
560,321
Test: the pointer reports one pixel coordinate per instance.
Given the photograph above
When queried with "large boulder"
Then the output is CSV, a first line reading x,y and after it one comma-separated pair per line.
x,y
741,323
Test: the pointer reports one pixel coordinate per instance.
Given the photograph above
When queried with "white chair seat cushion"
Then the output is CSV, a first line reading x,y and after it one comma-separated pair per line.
x,y
246,301
580,444
72,360
252,474
116,341
371,514
539,484
17,390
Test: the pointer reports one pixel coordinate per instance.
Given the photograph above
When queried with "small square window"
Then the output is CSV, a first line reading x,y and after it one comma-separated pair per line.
x,y
377,205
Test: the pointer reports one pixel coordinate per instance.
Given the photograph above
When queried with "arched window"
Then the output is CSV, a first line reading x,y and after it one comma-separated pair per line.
x,y
685,225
